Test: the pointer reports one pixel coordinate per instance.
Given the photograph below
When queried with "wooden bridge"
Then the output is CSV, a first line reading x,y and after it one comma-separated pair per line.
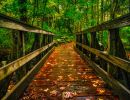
x,y
75,71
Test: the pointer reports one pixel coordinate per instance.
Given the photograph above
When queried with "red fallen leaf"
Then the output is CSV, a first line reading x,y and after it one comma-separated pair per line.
x,y
67,95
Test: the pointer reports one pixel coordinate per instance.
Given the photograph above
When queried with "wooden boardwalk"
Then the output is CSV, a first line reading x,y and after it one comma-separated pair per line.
x,y
65,76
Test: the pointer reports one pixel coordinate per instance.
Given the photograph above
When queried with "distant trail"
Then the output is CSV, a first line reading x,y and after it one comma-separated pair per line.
x,y
65,75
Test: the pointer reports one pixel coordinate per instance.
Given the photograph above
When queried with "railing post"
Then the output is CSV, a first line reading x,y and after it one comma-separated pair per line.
x,y
43,40
80,40
48,39
93,44
52,38
85,42
76,40
115,47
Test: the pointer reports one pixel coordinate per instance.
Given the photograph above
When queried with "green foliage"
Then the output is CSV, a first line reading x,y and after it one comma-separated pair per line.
x,y
125,35
65,17
105,39
5,39
29,41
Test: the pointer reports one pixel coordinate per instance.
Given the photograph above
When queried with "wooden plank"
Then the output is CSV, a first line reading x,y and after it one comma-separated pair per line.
x,y
24,82
119,89
11,23
123,64
13,66
115,23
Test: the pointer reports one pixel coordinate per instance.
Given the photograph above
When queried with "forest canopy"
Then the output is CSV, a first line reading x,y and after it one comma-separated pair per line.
x,y
64,17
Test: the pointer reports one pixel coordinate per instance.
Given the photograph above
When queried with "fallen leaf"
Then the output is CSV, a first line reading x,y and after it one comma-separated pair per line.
x,y
53,93
62,88
46,90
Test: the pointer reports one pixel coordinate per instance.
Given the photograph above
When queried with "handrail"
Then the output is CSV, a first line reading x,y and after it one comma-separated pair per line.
x,y
12,23
8,70
123,64
119,89
111,24
23,83
13,66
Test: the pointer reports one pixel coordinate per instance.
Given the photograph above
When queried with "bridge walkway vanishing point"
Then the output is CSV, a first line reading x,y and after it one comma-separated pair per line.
x,y
66,76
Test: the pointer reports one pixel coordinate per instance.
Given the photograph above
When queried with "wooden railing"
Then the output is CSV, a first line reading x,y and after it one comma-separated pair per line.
x,y
8,71
112,65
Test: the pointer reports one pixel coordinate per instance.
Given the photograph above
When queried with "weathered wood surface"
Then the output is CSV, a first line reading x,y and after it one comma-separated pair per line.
x,y
11,23
94,44
123,64
13,66
119,89
116,48
65,71
116,23
23,83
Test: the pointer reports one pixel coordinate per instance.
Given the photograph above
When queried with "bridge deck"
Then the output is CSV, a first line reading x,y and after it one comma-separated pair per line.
x,y
66,75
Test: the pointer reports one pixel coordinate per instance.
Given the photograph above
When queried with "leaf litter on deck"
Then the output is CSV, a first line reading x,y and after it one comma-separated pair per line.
x,y
66,76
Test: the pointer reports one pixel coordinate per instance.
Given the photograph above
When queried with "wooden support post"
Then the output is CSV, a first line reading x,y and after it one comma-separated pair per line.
x,y
76,36
46,39
43,40
46,43
22,43
21,47
85,42
49,41
80,41
94,44
43,43
49,38
4,83
115,47
52,38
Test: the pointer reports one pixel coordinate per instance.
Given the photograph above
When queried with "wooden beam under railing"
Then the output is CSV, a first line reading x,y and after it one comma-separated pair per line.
x,y
123,64
13,66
